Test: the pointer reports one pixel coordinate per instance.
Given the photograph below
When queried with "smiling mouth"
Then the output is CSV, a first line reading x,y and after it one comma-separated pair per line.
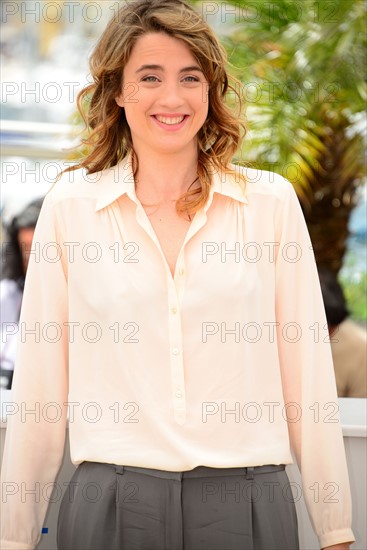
x,y
170,120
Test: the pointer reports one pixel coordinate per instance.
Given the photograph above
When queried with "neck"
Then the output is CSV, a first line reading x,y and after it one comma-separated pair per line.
x,y
165,176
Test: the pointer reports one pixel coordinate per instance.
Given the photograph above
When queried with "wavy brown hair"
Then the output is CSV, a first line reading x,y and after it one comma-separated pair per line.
x,y
109,137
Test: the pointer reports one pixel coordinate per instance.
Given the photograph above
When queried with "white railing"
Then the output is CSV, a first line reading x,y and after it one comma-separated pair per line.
x,y
36,139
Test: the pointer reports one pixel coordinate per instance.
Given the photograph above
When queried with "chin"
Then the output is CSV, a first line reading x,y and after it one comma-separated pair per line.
x,y
172,148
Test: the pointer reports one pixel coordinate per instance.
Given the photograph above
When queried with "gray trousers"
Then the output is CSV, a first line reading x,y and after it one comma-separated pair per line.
x,y
129,508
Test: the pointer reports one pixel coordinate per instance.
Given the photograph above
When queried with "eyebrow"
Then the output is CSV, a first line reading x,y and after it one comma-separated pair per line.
x,y
160,68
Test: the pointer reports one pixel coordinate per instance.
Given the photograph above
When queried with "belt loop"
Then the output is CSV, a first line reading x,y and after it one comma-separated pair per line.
x,y
250,472
120,469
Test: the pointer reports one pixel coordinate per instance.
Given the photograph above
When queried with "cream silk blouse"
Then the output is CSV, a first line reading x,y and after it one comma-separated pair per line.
x,y
227,364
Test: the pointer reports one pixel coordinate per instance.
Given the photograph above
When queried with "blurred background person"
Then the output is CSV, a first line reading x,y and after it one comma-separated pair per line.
x,y
16,248
348,339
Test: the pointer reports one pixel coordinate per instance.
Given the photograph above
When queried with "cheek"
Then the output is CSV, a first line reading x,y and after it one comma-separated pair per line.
x,y
133,119
202,103
205,95
203,108
131,93
134,110
138,102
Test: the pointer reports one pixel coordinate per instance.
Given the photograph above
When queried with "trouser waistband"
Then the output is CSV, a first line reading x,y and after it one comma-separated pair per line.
x,y
249,472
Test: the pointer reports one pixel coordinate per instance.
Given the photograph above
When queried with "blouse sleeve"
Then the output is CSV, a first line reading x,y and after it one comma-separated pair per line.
x,y
308,379
37,412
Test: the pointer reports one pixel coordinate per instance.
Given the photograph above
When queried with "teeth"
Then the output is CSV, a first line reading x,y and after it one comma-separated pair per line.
x,y
170,120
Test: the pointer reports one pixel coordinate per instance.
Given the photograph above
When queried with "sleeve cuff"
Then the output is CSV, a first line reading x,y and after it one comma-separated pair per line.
x,y
336,537
11,545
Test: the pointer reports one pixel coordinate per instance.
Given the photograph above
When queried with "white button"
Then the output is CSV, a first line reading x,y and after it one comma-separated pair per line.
x,y
174,310
175,351
181,271
178,394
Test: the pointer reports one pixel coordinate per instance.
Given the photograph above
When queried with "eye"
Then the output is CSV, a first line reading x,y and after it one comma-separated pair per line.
x,y
150,79
191,79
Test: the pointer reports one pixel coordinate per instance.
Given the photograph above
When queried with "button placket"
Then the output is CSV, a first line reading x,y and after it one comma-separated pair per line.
x,y
175,296
177,287
176,356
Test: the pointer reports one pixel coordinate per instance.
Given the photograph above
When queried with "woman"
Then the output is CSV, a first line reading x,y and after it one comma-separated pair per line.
x,y
183,282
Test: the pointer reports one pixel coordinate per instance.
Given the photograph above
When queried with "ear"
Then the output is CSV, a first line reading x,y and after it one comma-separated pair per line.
x,y
119,101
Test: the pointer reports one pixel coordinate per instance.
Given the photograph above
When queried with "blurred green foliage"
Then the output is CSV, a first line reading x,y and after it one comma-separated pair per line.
x,y
355,293
354,284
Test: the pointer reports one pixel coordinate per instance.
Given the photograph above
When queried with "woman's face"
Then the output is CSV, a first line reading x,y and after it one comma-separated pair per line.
x,y
164,94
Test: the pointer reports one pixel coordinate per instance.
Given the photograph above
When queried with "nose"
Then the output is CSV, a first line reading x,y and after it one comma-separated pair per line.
x,y
171,96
